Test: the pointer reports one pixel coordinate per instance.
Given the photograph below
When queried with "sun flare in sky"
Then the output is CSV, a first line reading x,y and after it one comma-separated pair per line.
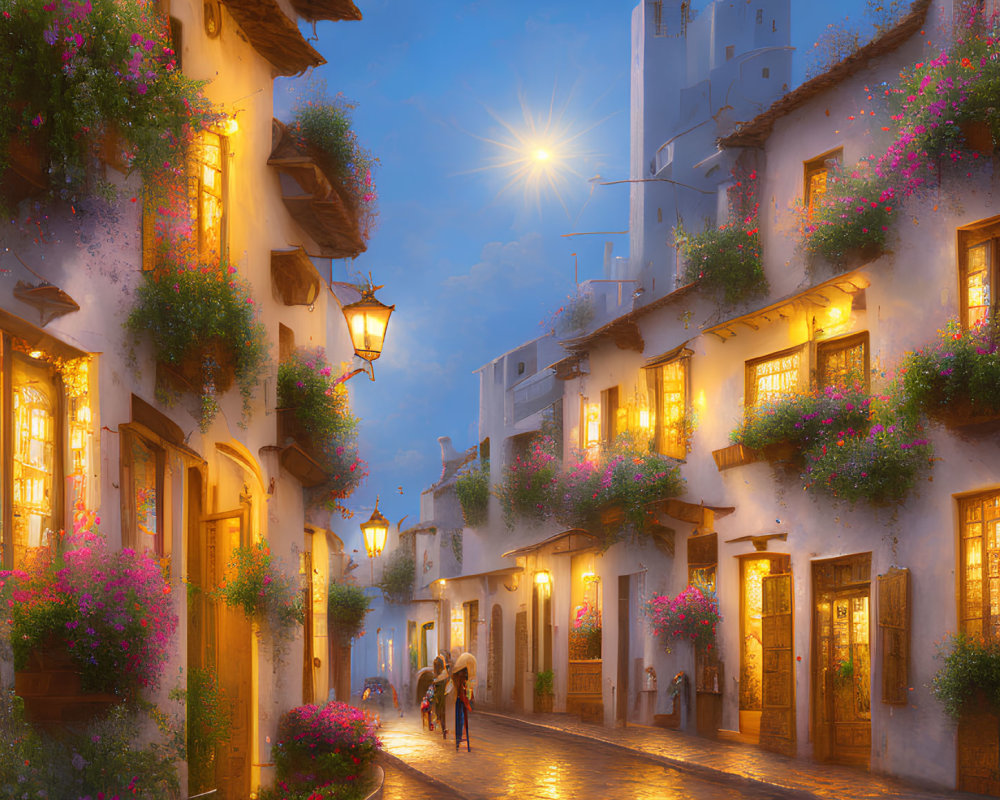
x,y
539,154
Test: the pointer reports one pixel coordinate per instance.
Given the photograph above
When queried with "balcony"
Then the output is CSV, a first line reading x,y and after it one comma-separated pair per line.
x,y
312,198
333,10
274,35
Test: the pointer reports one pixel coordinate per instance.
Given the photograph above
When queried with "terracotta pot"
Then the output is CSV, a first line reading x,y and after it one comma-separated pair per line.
x,y
50,687
543,703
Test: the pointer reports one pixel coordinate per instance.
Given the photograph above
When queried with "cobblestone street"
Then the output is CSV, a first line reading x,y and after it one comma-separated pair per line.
x,y
510,762
553,756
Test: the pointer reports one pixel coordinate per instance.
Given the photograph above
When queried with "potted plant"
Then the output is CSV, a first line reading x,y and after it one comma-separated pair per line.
x,y
331,746
544,695
691,616
969,679
87,625
347,606
77,72
205,328
255,585
473,489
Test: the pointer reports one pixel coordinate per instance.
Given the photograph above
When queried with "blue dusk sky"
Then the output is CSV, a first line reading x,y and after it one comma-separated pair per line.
x,y
475,263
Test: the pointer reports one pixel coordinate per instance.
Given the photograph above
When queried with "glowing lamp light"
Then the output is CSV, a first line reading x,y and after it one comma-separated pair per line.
x,y
543,578
35,354
229,126
375,531
367,320
835,314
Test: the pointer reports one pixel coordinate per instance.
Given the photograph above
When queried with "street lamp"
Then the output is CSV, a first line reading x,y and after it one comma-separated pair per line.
x,y
375,531
367,321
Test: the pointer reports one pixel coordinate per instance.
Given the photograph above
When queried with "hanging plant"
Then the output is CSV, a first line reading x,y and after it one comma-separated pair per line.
x,y
691,616
76,71
727,259
398,576
528,488
347,607
473,489
204,323
255,585
324,128
957,378
625,476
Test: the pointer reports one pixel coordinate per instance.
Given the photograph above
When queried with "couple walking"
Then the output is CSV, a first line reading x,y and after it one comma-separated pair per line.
x,y
459,677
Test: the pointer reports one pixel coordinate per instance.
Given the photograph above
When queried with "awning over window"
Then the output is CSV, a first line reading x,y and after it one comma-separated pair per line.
x,y
574,540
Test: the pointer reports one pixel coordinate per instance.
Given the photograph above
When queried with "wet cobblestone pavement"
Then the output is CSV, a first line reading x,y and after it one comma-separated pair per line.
x,y
744,764
556,757
401,784
511,762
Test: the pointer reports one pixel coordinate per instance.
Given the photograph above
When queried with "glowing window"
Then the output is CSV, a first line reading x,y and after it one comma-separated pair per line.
x,y
843,362
817,173
772,377
669,390
977,269
206,180
979,520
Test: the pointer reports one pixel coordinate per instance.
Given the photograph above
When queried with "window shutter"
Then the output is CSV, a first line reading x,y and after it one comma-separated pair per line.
x,y
777,722
894,632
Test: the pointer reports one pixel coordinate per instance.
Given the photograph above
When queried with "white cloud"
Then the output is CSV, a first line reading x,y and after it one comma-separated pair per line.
x,y
503,267
409,459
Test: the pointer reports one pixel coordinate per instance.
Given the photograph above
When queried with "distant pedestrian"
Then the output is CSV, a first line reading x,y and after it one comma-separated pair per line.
x,y
442,685
463,677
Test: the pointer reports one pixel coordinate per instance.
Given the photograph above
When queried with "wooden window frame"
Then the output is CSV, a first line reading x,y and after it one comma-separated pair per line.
x,y
841,343
984,231
654,385
130,528
815,166
750,386
610,404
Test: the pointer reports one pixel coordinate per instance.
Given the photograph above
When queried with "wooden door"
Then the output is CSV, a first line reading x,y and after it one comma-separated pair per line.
x,y
753,568
624,646
228,641
842,663
520,658
494,666
777,721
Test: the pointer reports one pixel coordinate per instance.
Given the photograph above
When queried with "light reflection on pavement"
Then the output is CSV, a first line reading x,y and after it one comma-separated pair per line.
x,y
512,762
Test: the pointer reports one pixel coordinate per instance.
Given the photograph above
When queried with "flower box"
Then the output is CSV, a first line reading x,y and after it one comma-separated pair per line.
x,y
298,455
190,373
977,135
26,174
962,416
736,455
782,454
50,688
